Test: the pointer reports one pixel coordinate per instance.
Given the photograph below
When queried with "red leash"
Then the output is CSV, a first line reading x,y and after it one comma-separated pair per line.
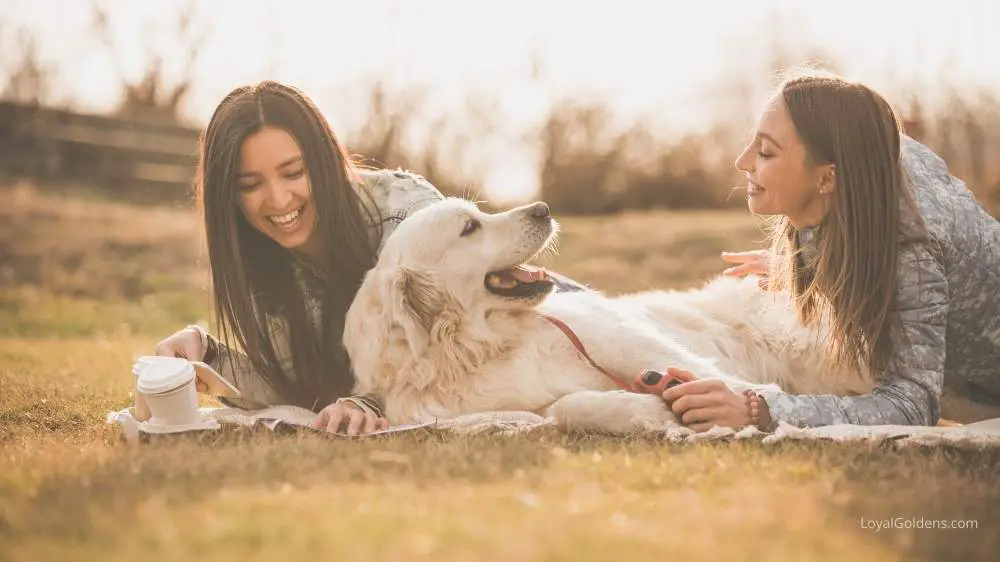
x,y
583,351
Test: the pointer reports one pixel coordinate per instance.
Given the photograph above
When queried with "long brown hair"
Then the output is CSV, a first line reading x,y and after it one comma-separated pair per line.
x,y
253,278
851,280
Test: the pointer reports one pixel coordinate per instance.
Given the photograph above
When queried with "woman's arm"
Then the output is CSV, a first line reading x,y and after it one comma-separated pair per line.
x,y
237,369
910,391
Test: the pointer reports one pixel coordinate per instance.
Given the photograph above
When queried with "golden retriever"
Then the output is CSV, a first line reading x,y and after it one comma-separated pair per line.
x,y
452,321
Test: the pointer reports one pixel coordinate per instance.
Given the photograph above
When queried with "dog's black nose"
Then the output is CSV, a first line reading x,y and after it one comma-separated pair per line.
x,y
539,210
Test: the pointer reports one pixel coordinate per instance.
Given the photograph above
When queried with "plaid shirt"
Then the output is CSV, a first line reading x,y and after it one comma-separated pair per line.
x,y
949,305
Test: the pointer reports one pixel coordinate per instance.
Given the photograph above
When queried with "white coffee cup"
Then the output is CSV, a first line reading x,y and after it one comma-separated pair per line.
x,y
167,385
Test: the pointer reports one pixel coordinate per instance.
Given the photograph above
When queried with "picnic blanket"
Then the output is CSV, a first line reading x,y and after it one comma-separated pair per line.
x,y
984,434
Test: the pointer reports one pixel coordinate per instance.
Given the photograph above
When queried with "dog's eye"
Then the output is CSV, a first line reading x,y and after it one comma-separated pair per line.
x,y
471,226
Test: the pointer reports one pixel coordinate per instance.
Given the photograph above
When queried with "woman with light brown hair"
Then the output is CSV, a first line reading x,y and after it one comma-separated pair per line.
x,y
875,237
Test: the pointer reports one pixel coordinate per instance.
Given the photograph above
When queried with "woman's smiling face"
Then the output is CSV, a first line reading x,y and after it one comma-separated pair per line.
x,y
275,195
781,179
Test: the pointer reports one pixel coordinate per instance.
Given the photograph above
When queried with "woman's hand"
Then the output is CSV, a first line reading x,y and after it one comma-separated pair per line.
x,y
188,343
345,414
755,262
701,403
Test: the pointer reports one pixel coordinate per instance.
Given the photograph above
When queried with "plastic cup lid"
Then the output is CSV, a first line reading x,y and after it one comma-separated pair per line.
x,y
157,375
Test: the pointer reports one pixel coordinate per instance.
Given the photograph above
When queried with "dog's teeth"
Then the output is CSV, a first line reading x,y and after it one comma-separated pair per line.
x,y
498,281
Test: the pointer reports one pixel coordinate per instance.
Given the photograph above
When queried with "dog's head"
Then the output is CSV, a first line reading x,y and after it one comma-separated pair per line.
x,y
452,251
446,264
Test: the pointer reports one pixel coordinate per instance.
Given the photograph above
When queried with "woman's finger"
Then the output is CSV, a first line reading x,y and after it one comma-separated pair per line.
x,y
682,375
743,257
369,423
746,269
655,382
336,419
693,401
191,346
356,423
321,418
381,424
700,386
651,382
165,349
710,415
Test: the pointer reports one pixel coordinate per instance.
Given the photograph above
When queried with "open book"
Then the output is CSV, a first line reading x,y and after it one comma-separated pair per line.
x,y
274,416
277,418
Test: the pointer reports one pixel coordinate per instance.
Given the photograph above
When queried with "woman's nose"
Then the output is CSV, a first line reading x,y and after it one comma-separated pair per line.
x,y
278,195
743,163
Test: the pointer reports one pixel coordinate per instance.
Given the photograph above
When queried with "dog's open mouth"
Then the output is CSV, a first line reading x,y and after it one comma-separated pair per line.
x,y
521,281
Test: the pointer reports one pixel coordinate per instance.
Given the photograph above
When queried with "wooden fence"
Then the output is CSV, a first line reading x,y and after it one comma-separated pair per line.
x,y
136,160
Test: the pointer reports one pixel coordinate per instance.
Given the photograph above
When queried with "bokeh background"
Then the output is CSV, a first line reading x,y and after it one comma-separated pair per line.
x,y
626,116
596,107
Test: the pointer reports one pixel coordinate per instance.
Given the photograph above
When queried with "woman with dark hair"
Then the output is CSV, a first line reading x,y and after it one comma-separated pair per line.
x,y
292,227
876,238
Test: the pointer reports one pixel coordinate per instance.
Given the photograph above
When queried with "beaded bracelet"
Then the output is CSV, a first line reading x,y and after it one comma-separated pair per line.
x,y
753,404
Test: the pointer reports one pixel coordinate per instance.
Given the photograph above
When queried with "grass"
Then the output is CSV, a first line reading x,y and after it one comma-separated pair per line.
x,y
86,286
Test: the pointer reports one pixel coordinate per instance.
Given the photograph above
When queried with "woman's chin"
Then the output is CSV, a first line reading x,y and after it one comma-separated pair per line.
x,y
758,205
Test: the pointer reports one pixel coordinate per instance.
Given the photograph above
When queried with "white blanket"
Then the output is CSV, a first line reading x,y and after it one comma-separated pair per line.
x,y
982,434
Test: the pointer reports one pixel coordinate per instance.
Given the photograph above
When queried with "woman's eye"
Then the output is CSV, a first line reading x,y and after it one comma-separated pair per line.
x,y
471,226
763,155
248,186
295,175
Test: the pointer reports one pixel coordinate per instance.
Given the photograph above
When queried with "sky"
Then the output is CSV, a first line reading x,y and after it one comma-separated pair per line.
x,y
652,59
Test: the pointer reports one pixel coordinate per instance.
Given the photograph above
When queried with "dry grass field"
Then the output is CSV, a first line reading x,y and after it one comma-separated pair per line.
x,y
86,286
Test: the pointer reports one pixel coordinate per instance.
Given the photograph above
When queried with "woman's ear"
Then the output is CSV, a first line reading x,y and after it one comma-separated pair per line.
x,y
828,179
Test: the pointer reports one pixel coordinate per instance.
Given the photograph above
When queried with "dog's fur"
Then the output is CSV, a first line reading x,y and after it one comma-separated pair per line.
x,y
426,334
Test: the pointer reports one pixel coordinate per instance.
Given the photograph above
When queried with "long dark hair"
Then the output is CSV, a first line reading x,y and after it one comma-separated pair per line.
x,y
253,278
853,280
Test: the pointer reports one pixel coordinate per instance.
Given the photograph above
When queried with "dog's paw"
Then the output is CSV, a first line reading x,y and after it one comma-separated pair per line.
x,y
617,412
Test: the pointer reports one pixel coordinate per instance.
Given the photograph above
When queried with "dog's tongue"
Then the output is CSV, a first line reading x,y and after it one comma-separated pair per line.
x,y
527,273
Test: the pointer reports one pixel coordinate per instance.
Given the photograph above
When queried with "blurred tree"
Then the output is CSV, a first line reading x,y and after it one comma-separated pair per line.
x,y
155,94
399,130
26,78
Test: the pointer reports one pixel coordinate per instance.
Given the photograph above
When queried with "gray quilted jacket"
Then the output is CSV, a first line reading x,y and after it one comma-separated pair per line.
x,y
949,304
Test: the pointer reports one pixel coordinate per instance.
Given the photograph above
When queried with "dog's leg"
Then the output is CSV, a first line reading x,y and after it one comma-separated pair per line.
x,y
618,412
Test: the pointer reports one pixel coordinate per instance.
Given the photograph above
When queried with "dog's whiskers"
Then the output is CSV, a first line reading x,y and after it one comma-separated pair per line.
x,y
474,199
550,249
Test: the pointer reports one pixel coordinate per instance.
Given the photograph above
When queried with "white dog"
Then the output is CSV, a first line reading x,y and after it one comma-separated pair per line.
x,y
451,321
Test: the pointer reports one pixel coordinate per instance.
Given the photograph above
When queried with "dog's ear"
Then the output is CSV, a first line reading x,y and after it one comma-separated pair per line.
x,y
419,293
412,301
392,299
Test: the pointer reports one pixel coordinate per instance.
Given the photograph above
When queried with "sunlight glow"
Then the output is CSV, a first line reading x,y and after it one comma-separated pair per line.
x,y
646,58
